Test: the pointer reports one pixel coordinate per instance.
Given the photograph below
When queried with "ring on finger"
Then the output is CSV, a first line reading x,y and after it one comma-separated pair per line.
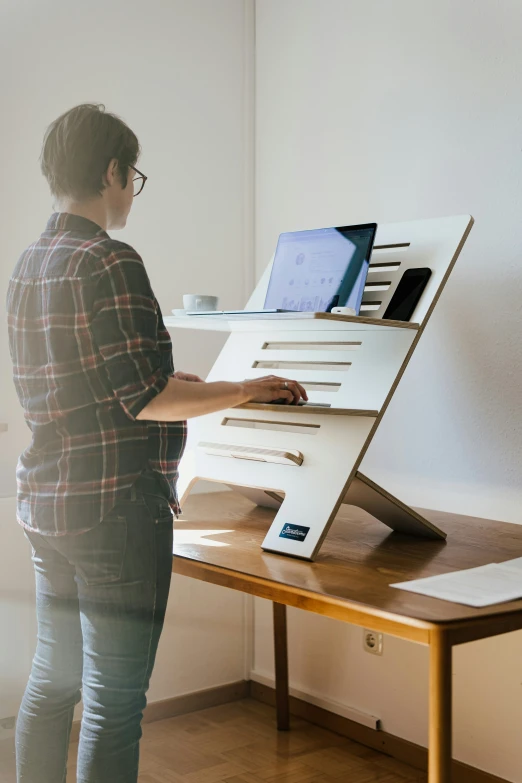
x,y
285,385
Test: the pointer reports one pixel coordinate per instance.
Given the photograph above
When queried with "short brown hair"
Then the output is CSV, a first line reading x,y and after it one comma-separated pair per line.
x,y
79,146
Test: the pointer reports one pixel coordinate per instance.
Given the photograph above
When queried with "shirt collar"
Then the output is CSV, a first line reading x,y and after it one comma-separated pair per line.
x,y
64,221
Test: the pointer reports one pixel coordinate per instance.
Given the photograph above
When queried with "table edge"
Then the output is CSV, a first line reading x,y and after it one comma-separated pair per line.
x,y
459,631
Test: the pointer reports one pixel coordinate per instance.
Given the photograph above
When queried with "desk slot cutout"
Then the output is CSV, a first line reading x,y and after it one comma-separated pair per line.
x,y
385,266
394,247
382,285
290,457
291,365
320,386
297,428
316,346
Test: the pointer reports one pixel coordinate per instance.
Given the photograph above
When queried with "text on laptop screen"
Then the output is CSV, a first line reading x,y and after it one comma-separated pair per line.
x,y
320,269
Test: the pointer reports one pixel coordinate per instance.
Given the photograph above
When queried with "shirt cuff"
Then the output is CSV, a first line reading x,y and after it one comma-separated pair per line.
x,y
134,404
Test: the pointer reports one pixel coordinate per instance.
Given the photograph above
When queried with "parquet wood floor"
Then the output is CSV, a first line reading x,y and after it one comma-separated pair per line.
x,y
238,743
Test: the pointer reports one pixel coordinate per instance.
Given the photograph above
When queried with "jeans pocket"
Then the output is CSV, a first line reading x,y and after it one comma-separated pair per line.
x,y
159,508
103,552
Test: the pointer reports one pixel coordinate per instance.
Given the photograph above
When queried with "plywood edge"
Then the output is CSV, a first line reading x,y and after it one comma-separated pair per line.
x,y
307,409
223,323
456,254
469,225
363,319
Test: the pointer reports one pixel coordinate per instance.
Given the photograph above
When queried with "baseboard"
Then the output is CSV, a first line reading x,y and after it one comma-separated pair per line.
x,y
400,749
190,702
356,716
200,700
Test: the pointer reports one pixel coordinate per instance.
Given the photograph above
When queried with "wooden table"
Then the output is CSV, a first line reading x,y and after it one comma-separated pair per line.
x,y
350,581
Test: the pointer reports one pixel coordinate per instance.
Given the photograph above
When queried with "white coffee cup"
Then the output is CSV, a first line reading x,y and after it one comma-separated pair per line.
x,y
193,302
343,311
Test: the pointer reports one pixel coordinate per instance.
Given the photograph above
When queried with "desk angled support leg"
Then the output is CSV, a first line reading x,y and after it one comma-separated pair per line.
x,y
281,667
366,494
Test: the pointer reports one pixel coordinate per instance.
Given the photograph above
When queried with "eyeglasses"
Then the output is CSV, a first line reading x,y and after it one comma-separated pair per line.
x,y
139,181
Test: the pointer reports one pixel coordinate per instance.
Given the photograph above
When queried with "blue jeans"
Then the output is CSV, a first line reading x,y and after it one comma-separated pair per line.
x,y
101,600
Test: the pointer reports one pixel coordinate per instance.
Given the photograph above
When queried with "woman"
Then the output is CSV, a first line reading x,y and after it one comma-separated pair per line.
x,y
97,486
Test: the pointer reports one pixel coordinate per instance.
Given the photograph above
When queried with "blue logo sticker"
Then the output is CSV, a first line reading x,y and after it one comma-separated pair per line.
x,y
294,532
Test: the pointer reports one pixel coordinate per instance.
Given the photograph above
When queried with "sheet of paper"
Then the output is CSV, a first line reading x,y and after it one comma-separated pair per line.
x,y
483,586
516,563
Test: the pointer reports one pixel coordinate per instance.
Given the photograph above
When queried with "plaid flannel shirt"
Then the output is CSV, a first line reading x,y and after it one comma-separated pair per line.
x,y
90,350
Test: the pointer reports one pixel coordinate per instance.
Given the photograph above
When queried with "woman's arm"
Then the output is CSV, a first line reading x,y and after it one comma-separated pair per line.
x,y
182,400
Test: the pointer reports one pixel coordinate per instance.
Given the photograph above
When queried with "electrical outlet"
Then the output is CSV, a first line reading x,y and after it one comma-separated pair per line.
x,y
372,642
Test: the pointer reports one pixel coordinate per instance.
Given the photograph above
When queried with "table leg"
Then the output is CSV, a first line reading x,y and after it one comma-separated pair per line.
x,y
440,729
281,667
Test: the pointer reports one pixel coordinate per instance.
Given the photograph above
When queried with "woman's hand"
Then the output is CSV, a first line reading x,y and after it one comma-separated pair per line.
x,y
187,376
271,388
180,400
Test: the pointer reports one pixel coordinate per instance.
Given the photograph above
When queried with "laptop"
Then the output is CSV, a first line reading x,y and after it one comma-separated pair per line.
x,y
316,270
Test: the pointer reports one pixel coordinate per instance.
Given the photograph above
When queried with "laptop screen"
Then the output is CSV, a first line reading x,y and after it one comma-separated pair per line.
x,y
320,269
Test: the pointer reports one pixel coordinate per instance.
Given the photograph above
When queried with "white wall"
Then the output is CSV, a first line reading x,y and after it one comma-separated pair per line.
x,y
388,111
179,73
366,109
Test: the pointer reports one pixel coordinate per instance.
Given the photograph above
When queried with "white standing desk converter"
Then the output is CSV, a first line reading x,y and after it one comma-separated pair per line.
x,y
301,460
